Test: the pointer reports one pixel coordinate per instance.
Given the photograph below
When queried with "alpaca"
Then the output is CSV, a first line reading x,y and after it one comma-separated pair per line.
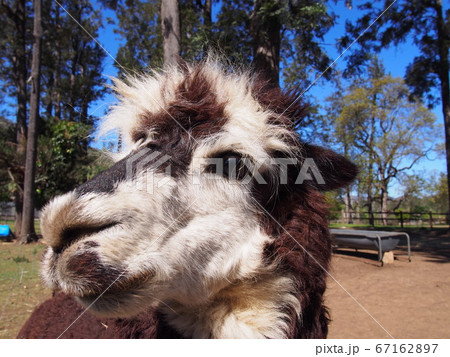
x,y
211,224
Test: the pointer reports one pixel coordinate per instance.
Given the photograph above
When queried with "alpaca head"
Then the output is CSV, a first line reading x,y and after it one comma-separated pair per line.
x,y
178,218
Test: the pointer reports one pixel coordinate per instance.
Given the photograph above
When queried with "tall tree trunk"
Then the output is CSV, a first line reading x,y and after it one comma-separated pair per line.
x,y
20,67
27,232
443,44
21,117
207,16
265,30
384,203
348,206
370,180
370,206
170,24
369,192
18,205
85,101
56,92
57,75
347,197
358,212
73,76
20,73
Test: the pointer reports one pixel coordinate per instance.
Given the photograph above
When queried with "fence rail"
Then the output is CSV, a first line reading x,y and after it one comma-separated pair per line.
x,y
397,218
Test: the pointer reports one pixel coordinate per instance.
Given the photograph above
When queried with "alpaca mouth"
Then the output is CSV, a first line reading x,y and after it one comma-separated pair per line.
x,y
121,285
115,305
73,234
121,299
85,276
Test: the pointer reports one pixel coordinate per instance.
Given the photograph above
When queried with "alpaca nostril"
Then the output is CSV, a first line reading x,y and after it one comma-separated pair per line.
x,y
72,234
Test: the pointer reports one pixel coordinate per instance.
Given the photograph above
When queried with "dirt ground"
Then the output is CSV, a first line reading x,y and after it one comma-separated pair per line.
x,y
403,299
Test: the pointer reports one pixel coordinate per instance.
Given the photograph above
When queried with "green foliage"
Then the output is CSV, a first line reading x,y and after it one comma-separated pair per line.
x,y
305,25
64,159
417,20
71,80
196,34
231,32
335,202
6,139
140,28
375,124
439,197
415,195
21,259
11,43
11,164
71,60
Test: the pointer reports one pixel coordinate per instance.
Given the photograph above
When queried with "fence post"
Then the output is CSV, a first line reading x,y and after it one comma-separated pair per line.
x,y
401,219
431,219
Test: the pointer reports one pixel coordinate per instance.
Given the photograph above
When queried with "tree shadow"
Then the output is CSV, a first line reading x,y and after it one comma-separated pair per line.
x,y
370,258
433,243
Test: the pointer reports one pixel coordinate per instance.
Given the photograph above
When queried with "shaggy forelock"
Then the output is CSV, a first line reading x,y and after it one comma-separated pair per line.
x,y
207,103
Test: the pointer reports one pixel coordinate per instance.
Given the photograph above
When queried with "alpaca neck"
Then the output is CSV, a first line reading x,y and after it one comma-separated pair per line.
x,y
260,308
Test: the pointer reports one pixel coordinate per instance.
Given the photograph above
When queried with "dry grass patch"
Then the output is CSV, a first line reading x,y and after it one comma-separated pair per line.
x,y
21,288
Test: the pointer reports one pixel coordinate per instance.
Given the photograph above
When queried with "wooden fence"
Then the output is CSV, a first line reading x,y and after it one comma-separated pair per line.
x,y
398,218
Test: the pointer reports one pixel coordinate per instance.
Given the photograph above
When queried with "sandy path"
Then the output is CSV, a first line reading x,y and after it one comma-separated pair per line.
x,y
409,300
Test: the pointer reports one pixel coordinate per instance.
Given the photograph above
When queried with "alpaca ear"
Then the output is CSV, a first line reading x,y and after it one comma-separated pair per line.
x,y
324,169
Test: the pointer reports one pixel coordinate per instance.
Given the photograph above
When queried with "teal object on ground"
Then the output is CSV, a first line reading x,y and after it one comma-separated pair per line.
x,y
4,231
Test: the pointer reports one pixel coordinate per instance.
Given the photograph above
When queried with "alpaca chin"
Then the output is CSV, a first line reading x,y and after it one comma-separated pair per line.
x,y
121,304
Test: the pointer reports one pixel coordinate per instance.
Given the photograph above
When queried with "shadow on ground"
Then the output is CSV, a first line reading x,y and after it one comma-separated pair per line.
x,y
435,244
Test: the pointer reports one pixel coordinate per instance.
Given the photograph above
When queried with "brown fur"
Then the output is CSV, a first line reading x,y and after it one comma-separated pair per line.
x,y
294,214
42,323
195,112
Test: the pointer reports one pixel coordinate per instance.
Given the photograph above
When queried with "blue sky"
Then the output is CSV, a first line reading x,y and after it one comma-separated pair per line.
x,y
395,60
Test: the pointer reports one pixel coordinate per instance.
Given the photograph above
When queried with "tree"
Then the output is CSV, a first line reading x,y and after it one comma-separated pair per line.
x,y
233,22
414,195
140,28
71,61
289,33
170,27
27,232
303,57
439,197
387,132
62,161
71,67
429,27
139,24
263,33
265,30
7,150
14,74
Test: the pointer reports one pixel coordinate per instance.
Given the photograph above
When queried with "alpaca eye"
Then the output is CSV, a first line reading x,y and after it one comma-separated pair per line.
x,y
230,165
234,167
139,137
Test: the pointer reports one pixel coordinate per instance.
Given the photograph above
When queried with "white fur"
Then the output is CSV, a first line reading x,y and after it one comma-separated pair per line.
x,y
201,257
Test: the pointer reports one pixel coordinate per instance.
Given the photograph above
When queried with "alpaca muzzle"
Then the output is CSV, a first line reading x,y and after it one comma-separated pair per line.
x,y
63,223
